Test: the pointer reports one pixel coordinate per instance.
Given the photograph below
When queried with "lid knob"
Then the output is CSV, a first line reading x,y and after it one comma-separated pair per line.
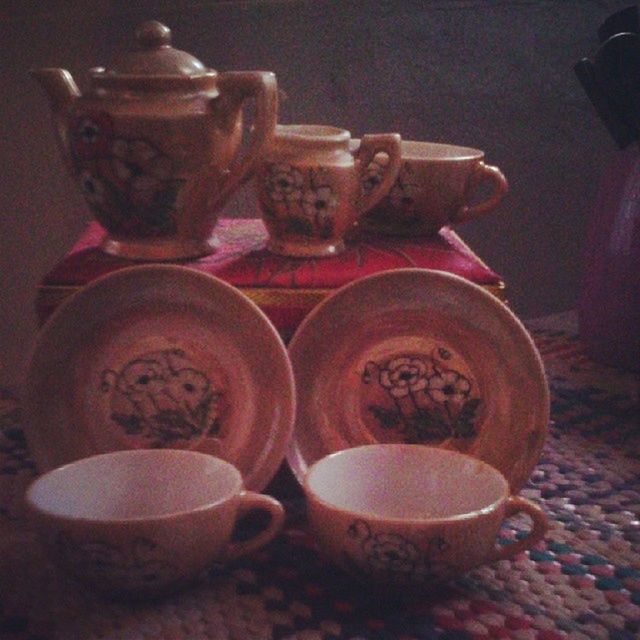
x,y
153,35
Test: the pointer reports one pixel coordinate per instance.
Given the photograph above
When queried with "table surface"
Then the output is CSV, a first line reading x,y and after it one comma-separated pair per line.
x,y
582,581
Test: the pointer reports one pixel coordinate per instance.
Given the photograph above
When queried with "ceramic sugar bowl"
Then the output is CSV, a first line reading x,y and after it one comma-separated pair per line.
x,y
154,143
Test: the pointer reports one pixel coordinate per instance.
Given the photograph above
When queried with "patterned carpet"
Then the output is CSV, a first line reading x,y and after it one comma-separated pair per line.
x,y
582,581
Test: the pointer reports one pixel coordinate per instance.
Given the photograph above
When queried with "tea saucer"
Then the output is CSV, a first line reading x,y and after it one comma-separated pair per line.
x,y
160,356
424,357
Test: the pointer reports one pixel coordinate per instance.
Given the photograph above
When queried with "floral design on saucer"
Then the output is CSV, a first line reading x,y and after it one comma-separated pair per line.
x,y
299,202
391,557
162,399
129,183
121,567
416,398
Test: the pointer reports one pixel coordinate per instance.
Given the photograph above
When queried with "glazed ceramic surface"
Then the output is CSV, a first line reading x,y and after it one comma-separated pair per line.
x,y
436,186
153,143
409,515
160,356
141,522
312,188
418,356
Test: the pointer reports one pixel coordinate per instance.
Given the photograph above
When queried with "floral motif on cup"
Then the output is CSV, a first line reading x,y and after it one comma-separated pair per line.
x,y
392,557
128,182
373,173
402,194
128,567
161,398
401,199
425,400
299,202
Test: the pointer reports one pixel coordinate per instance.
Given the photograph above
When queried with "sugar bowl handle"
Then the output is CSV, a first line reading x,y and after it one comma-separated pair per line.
x,y
237,87
251,501
381,182
516,504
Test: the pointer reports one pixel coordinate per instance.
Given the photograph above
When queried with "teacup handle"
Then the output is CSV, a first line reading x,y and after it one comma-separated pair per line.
x,y
370,145
236,88
483,172
251,501
516,504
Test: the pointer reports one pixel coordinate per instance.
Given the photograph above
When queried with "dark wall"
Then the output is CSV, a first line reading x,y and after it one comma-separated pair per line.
x,y
484,73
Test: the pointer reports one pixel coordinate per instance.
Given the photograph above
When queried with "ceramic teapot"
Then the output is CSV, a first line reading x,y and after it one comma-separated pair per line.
x,y
155,143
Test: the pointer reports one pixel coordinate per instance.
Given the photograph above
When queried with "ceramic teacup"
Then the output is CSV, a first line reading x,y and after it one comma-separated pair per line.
x,y
436,186
410,514
312,187
142,522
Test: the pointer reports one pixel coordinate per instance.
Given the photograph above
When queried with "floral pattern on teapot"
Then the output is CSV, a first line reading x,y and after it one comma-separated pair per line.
x,y
422,399
128,182
300,202
161,398
392,557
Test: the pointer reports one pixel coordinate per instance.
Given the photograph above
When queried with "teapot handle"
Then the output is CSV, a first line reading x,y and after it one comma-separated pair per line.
x,y
236,87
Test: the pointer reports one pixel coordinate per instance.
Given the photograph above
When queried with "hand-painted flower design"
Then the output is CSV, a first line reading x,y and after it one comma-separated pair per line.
x,y
374,173
94,189
91,135
117,567
284,183
449,386
390,552
318,203
403,376
425,400
162,398
385,552
141,168
402,194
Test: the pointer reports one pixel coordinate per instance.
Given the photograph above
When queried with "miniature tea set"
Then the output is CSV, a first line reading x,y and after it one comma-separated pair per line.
x,y
411,405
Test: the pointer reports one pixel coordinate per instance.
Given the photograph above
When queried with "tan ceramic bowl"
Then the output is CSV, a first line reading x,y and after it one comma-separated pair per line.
x,y
411,514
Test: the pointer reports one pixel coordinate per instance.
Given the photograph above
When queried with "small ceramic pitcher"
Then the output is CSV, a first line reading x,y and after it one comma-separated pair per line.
x,y
313,188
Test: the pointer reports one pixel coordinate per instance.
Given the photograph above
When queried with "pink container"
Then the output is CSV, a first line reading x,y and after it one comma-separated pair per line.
x,y
609,306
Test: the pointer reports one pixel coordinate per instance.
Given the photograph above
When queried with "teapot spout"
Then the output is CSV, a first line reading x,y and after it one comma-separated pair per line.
x,y
59,85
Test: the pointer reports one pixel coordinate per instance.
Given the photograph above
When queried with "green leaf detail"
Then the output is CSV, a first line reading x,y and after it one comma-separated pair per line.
x,y
387,418
299,226
464,426
427,426
131,423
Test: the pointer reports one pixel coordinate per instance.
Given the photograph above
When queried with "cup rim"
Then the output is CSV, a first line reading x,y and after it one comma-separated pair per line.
x,y
459,152
313,134
237,488
397,520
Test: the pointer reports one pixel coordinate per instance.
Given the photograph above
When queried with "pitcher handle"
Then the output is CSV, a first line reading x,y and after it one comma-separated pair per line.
x,y
516,504
370,145
237,87
500,187
252,501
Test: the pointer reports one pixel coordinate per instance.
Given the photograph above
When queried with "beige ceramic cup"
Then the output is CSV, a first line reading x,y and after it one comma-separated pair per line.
x,y
410,514
435,187
142,522
312,188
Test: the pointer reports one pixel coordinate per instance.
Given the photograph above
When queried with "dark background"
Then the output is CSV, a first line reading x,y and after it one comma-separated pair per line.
x,y
491,74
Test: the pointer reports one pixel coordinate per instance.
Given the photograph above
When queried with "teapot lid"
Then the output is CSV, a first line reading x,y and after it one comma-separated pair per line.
x,y
153,55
